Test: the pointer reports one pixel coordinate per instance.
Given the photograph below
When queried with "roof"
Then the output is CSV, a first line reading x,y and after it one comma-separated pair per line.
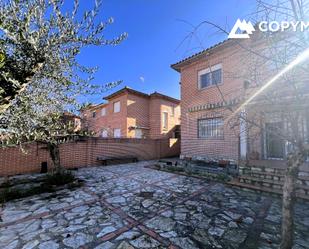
x,y
135,92
93,107
70,114
126,90
163,96
177,66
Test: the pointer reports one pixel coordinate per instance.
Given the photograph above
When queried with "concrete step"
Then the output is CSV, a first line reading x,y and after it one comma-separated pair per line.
x,y
268,183
236,183
262,171
259,179
281,176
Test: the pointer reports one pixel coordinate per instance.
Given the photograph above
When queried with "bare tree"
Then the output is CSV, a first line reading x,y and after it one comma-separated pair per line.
x,y
274,67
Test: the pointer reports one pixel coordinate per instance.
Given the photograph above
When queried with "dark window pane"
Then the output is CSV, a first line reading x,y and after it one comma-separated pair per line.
x,y
274,143
216,77
205,80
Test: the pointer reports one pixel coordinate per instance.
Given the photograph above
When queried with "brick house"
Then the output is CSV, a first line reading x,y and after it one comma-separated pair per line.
x,y
214,81
217,121
128,113
203,130
72,119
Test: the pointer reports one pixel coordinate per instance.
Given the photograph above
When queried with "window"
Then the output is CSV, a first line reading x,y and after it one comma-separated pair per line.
x,y
77,123
205,80
138,133
173,111
165,120
103,111
210,76
117,133
210,128
105,133
216,77
94,114
117,106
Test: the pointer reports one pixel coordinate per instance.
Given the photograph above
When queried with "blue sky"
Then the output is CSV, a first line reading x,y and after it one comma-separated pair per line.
x,y
156,39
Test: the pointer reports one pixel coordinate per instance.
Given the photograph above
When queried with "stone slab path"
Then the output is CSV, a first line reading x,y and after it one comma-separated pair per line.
x,y
130,206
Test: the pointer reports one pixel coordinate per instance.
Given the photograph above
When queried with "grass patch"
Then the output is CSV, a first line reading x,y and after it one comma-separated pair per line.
x,y
49,184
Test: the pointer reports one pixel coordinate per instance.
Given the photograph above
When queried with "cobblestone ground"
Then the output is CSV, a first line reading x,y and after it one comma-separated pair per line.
x,y
130,206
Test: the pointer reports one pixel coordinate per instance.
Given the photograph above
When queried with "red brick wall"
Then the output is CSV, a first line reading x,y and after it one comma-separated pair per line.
x,y
155,118
137,114
240,63
111,120
84,153
191,145
192,96
13,161
157,107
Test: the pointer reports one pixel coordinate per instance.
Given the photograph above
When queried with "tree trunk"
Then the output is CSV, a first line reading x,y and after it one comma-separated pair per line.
x,y
287,226
55,156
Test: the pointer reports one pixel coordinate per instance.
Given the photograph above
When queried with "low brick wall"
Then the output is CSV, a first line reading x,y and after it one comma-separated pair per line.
x,y
84,153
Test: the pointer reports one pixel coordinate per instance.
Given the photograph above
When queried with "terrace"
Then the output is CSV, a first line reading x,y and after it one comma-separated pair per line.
x,y
135,206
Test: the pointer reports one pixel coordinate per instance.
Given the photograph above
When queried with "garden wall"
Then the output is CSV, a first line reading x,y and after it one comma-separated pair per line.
x,y
84,153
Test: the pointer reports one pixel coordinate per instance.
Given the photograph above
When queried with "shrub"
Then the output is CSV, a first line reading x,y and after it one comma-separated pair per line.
x,y
8,194
6,184
58,179
49,184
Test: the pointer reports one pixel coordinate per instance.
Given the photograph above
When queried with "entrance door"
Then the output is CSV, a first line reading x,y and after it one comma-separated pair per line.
x,y
274,143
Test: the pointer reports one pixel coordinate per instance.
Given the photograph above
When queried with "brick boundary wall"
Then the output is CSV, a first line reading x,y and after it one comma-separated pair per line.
x,y
84,153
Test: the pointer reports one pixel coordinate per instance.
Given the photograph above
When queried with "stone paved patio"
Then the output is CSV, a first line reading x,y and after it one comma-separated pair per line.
x,y
130,206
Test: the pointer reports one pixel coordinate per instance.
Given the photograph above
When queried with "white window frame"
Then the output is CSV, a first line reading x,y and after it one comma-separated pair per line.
x,y
103,111
165,127
117,133
211,128
117,107
209,70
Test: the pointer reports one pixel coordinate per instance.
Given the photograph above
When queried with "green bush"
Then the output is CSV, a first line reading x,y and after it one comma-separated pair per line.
x,y
6,184
49,184
8,194
174,169
59,179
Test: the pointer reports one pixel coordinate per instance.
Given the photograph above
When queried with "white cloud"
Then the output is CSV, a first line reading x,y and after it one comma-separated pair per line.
x,y
142,79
